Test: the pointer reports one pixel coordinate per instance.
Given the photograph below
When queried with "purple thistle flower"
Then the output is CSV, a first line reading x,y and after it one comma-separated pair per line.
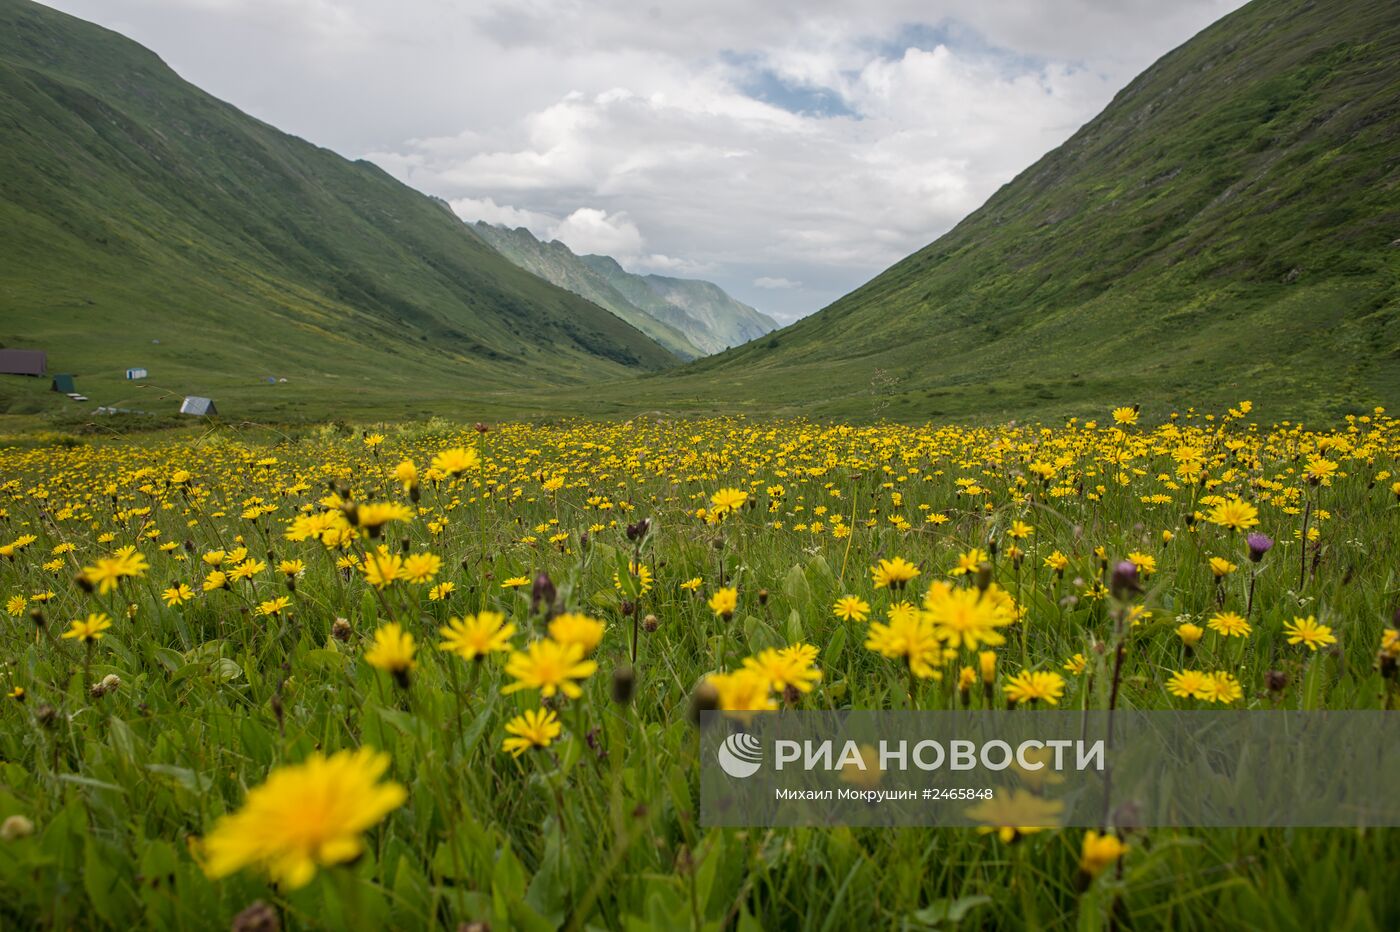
x,y
1124,581
1259,544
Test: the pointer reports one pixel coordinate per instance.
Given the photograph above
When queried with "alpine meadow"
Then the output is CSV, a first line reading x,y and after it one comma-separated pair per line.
x,y
384,540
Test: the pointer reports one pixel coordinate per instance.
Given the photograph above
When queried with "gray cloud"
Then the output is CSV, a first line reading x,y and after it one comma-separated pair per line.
x,y
788,150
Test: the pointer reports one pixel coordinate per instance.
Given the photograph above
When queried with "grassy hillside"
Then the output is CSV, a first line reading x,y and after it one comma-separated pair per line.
x,y
556,263
1227,228
135,208
702,310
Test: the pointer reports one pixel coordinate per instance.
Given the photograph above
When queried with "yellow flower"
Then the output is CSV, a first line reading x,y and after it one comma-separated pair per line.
x,y
305,816
1221,687
105,574
1125,416
372,516
1076,664
537,728
1229,624
1190,634
728,500
1145,563
177,593
1057,561
641,573
1018,813
987,666
381,567
515,582
456,461
784,668
968,617
407,474
969,562
274,606
1099,852
1188,684
291,567
89,629
1019,530
421,567
743,691
724,602
569,628
1221,567
1031,686
1235,514
476,636
908,636
893,574
550,667
16,605
851,608
392,651
247,569
1320,470
441,591
1308,632
217,579
692,584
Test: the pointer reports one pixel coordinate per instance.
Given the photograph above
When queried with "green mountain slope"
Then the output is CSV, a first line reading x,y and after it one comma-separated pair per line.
x,y
1227,228
702,310
135,208
556,263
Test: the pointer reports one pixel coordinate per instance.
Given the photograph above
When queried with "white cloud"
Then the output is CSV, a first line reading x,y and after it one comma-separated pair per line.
x,y
807,141
472,209
590,230
770,283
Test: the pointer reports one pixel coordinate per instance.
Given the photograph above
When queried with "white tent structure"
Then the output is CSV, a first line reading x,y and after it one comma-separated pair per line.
x,y
135,373
197,406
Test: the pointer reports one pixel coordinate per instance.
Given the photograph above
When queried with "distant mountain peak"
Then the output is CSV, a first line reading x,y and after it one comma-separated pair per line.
x,y
690,317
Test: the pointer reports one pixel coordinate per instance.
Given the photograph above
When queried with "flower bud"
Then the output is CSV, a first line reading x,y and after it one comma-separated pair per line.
x,y
624,682
258,917
542,593
704,699
16,827
1124,582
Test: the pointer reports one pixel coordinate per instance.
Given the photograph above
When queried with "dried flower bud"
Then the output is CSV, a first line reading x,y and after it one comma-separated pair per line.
x,y
46,714
341,630
704,699
260,916
650,624
110,684
623,683
16,827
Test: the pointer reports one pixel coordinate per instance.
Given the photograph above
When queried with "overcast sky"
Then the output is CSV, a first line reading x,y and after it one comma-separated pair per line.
x,y
787,149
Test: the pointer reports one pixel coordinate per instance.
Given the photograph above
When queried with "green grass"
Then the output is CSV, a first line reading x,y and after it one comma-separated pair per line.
x,y
600,831
134,208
